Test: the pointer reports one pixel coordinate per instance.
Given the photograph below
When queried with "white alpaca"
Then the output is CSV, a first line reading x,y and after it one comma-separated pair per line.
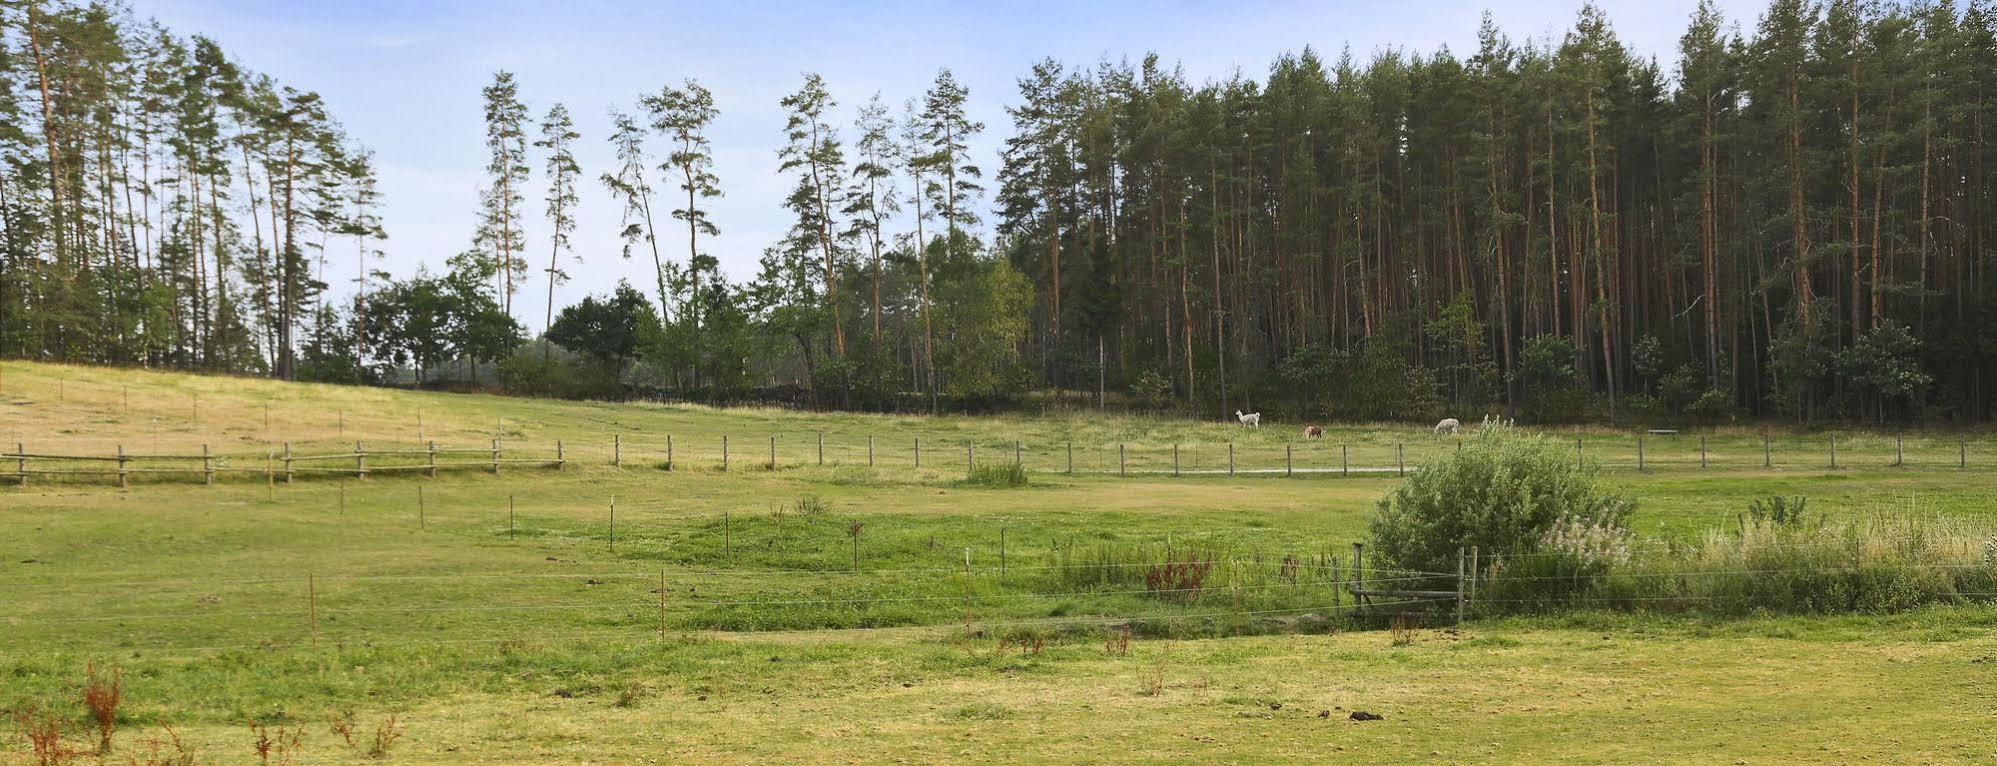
x,y
1448,426
1252,420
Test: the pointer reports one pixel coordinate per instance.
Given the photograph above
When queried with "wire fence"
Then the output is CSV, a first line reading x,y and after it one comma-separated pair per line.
x,y
931,457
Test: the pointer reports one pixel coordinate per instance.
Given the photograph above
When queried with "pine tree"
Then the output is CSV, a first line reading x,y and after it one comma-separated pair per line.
x,y
630,186
500,232
558,136
683,116
812,151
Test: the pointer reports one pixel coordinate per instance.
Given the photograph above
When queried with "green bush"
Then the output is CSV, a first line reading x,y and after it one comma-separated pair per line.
x,y
1503,492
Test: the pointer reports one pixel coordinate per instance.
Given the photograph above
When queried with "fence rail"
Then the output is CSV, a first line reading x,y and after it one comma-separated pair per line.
x,y
273,465
1643,452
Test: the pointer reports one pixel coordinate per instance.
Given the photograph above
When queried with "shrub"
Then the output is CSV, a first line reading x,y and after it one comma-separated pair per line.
x,y
1001,476
1503,492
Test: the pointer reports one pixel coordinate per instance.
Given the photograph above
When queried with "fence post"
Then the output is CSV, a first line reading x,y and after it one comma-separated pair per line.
x,y
1459,586
1175,458
360,460
208,465
21,463
1767,451
617,450
1639,452
1001,553
1476,573
1961,452
123,481
1289,466
1358,576
1702,452
287,462
870,450
1401,458
1071,457
433,459
821,448
422,508
560,461
724,452
1834,450
1344,461
495,456
1230,458
1121,469
1580,461
773,452
918,453
970,459
669,451
312,604
1899,457
1018,454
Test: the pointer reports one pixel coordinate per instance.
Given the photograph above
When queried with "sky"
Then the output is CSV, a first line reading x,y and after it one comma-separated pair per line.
x,y
404,77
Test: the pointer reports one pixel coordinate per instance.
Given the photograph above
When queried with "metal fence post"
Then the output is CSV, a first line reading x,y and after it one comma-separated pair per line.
x,y
1639,452
1459,586
617,450
1289,466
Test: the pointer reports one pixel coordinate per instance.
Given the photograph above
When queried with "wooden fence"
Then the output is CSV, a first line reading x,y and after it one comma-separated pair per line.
x,y
272,465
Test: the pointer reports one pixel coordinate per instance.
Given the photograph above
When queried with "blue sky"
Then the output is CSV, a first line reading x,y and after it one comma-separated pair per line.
x,y
404,77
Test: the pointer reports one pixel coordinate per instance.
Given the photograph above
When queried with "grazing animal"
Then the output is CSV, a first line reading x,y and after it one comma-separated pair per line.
x,y
1313,432
1252,420
1448,426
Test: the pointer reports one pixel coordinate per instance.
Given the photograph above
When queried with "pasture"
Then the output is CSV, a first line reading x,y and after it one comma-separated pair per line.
x,y
835,613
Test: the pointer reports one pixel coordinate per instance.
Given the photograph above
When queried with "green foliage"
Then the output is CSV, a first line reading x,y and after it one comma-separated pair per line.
x,y
998,476
980,332
1778,510
611,329
1552,391
1151,390
1503,491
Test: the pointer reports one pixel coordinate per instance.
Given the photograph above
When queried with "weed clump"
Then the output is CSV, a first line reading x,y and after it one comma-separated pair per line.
x,y
101,696
1002,476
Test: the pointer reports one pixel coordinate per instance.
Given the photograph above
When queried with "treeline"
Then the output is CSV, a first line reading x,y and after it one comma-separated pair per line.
x,y
160,204
1791,220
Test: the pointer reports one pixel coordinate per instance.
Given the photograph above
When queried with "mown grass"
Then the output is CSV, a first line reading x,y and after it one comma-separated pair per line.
x,y
467,614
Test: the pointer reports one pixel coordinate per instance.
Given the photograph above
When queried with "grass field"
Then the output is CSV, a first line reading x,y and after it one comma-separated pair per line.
x,y
826,614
